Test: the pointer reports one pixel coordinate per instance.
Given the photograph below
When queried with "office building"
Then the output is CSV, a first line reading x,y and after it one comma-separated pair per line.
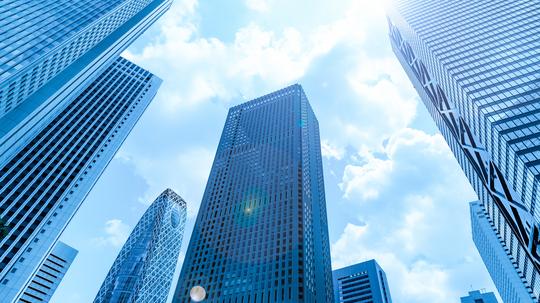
x,y
261,233
144,268
51,50
477,296
43,184
495,257
60,58
475,66
50,273
361,283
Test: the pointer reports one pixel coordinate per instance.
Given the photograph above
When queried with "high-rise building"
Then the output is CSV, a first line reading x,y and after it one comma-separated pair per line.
x,y
66,103
144,268
475,66
51,49
261,233
50,273
477,296
43,184
494,255
361,283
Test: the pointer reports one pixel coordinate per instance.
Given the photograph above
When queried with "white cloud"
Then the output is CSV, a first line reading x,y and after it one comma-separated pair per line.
x,y
411,156
116,233
366,180
419,281
416,225
258,5
330,151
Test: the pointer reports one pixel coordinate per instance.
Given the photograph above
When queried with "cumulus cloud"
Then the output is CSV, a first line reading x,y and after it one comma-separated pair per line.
x,y
329,151
258,5
419,281
116,233
366,180
416,224
410,156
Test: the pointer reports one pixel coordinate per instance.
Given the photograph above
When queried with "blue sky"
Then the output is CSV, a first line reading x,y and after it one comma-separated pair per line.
x,y
394,190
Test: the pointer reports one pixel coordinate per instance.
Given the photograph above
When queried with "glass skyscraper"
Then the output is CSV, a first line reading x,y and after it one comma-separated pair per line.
x,y
494,255
43,184
361,283
50,274
261,234
144,268
475,64
67,101
51,49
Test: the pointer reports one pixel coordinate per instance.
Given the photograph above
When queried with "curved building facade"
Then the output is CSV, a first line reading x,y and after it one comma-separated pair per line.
x,y
144,268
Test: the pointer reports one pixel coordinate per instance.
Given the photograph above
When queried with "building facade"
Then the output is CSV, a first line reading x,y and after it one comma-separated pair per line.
x,y
61,57
361,283
477,296
43,184
261,234
51,50
475,67
49,275
144,268
492,251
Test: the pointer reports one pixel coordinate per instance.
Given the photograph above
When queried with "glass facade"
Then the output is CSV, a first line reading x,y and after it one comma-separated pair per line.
x,y
43,184
261,234
39,40
475,64
497,259
51,50
479,297
361,283
144,268
49,275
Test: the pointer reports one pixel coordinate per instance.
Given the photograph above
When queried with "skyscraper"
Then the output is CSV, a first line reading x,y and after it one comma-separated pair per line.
x,y
43,184
144,268
66,103
479,297
361,283
50,273
261,233
494,255
475,66
51,49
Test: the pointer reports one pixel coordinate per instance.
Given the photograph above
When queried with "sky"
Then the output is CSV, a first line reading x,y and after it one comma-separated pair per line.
x,y
394,191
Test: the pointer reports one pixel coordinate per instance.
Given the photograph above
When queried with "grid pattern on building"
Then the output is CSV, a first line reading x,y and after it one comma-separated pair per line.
x,y
361,283
355,289
44,183
144,268
261,233
49,275
475,65
40,39
496,258
477,296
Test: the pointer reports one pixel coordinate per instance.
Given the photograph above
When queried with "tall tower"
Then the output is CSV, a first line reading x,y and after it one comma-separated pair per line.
x,y
144,268
261,234
361,283
50,50
475,66
67,101
43,184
